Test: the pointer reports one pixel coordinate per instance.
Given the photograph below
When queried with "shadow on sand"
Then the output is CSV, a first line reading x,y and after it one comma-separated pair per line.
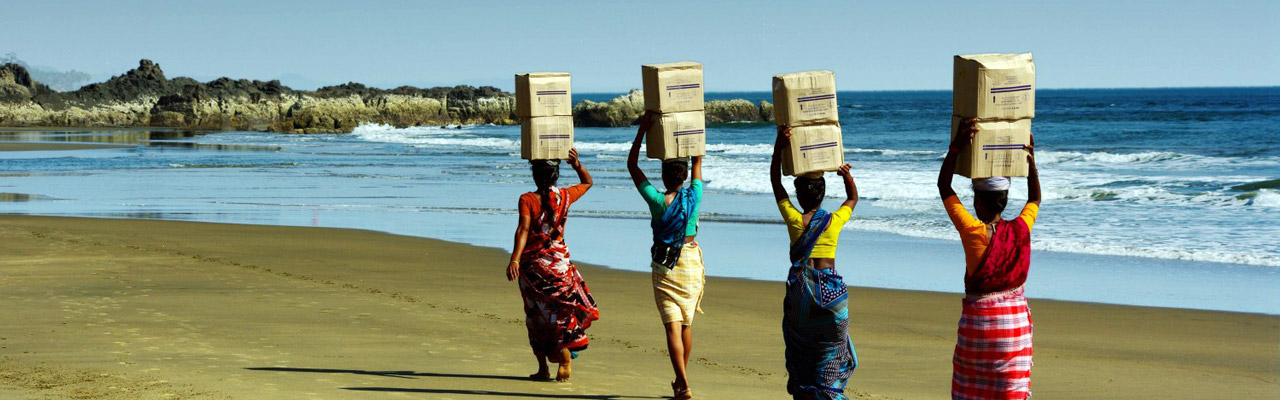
x,y
502,394
389,374
415,374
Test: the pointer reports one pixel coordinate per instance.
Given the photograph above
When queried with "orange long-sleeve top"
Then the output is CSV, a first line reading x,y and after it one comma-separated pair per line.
x,y
973,233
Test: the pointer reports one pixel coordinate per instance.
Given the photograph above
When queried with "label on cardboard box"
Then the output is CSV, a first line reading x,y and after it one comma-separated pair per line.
x,y
814,148
805,98
543,94
677,135
994,86
546,138
672,87
996,150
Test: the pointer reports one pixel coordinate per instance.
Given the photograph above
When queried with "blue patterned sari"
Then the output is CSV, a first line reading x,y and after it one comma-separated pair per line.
x,y
815,322
669,231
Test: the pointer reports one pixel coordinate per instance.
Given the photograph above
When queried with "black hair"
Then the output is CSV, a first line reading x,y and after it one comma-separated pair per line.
x,y
674,172
991,201
545,175
810,191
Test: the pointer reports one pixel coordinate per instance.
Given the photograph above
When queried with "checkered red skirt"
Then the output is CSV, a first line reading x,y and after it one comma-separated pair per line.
x,y
993,348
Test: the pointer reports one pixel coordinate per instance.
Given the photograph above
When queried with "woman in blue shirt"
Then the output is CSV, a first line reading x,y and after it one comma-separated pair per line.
x,y
678,275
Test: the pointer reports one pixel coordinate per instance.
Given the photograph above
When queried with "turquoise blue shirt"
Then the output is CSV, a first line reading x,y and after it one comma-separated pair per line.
x,y
658,203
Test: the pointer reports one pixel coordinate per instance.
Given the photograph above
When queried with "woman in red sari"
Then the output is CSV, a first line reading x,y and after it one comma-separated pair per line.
x,y
558,308
992,358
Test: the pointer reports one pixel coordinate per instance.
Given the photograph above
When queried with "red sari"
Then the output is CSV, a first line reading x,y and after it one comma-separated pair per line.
x,y
993,342
558,307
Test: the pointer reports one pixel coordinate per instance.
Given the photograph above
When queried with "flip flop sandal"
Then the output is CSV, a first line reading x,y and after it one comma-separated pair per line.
x,y
685,394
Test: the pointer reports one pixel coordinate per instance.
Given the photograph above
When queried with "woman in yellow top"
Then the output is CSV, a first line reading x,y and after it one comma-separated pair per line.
x,y
815,311
992,357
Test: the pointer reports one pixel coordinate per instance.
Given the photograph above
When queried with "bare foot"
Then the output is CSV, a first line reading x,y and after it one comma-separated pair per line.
x,y
541,376
565,359
562,374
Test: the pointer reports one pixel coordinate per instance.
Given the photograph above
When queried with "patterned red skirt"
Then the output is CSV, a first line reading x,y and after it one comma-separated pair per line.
x,y
558,307
993,348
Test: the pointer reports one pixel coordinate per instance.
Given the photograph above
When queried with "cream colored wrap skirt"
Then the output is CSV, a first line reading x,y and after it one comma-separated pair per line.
x,y
678,291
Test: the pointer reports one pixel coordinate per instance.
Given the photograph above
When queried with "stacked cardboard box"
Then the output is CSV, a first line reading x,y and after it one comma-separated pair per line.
x,y
1000,91
544,106
806,101
674,90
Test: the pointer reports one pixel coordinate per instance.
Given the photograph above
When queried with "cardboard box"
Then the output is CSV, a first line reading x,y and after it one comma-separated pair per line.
x,y
805,98
672,87
546,138
543,94
994,86
997,149
814,148
677,135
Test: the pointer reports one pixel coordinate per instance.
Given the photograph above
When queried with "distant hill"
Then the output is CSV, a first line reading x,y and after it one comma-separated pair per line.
x,y
63,81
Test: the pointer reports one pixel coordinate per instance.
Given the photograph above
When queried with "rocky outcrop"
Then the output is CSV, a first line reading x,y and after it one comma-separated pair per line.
x,y
766,111
725,111
145,97
626,110
623,110
15,83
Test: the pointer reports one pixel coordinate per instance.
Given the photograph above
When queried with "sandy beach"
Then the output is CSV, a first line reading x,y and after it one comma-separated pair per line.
x,y
307,200
131,309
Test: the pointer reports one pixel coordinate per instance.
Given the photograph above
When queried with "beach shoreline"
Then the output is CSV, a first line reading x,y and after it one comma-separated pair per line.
x,y
200,176
339,313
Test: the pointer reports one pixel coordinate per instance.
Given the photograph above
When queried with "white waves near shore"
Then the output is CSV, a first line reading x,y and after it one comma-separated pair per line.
x,y
422,135
1267,198
1146,160
1130,204
744,168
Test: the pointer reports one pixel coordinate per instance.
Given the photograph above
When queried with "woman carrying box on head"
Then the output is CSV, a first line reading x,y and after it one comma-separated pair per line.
x,y
558,308
992,358
678,274
815,312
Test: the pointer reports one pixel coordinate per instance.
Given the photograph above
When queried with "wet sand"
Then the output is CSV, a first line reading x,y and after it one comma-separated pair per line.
x,y
128,309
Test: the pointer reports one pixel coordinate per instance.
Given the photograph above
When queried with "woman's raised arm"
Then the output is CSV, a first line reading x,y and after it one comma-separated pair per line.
x,y
697,167
583,176
850,188
1033,176
775,165
959,143
633,158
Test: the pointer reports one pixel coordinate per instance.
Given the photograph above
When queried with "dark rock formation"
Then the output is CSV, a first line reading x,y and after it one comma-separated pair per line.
x,y
14,74
145,97
15,84
766,111
626,110
145,81
725,111
623,110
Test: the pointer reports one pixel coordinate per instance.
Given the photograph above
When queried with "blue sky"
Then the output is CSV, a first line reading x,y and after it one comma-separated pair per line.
x,y
883,45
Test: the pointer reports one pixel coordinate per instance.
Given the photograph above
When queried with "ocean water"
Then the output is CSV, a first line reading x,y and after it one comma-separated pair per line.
x,y
1166,197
